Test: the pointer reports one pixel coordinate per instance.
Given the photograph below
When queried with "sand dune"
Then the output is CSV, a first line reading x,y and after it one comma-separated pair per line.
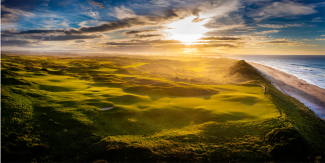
x,y
311,95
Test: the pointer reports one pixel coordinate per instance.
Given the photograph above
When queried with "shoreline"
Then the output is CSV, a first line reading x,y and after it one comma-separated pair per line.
x,y
310,95
302,75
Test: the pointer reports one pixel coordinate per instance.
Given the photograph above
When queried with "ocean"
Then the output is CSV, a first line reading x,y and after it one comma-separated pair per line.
x,y
310,68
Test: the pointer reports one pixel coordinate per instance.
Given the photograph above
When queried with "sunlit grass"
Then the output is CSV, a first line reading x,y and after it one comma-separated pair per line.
x,y
165,111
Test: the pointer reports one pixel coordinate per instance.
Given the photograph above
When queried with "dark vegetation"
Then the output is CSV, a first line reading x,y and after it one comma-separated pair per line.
x,y
38,126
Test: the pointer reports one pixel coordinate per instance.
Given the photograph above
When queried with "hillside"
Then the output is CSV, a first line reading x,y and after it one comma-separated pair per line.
x,y
242,68
177,109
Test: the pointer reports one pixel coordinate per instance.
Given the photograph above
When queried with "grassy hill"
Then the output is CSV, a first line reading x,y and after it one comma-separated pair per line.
x,y
164,109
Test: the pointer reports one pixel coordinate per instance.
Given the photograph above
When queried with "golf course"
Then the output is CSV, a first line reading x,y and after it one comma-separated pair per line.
x,y
149,108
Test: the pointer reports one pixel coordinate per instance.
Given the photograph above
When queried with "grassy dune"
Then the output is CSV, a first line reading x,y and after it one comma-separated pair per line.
x,y
164,109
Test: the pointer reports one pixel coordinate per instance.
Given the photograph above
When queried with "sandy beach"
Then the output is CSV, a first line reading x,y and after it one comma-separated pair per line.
x,y
311,95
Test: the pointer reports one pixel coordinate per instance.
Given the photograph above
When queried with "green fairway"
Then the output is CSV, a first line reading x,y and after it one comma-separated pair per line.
x,y
231,102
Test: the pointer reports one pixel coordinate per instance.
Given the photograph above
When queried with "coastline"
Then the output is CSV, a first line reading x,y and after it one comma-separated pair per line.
x,y
310,95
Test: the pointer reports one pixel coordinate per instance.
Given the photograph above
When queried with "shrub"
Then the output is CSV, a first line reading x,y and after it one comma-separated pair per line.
x,y
44,69
287,145
40,150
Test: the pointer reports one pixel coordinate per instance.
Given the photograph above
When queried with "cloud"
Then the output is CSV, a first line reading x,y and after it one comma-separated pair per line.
x,y
282,9
317,19
96,4
65,24
142,42
122,13
139,31
266,32
90,23
211,9
286,42
17,42
129,19
9,30
163,3
280,26
121,24
323,35
8,33
147,35
320,39
93,14
79,41
168,44
46,35
218,38
69,37
9,15
279,42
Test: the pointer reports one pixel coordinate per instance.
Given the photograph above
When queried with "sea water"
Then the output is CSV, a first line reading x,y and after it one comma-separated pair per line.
x,y
310,68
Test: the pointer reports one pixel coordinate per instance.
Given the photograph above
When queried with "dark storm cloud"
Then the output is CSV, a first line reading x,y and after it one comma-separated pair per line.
x,y
139,31
221,38
147,35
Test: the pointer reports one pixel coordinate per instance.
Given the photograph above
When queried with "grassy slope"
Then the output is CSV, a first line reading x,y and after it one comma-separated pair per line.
x,y
50,115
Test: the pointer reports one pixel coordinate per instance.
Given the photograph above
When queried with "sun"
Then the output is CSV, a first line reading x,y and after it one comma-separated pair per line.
x,y
186,30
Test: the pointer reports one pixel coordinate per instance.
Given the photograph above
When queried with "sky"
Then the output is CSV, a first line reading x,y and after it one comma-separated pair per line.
x,y
261,27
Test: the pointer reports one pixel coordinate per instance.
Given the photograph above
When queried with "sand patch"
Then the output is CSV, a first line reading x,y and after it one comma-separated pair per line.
x,y
107,108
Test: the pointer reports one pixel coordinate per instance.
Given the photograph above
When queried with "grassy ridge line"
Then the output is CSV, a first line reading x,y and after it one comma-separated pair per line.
x,y
297,115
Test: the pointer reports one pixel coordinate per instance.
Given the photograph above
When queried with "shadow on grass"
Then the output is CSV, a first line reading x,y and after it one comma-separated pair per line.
x,y
119,121
157,92
54,88
248,100
14,81
126,99
98,103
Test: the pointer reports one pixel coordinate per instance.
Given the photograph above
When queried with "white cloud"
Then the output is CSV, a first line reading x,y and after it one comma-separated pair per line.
x,y
320,39
318,19
87,23
266,32
122,13
65,24
218,9
93,14
163,3
282,9
12,15
52,23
